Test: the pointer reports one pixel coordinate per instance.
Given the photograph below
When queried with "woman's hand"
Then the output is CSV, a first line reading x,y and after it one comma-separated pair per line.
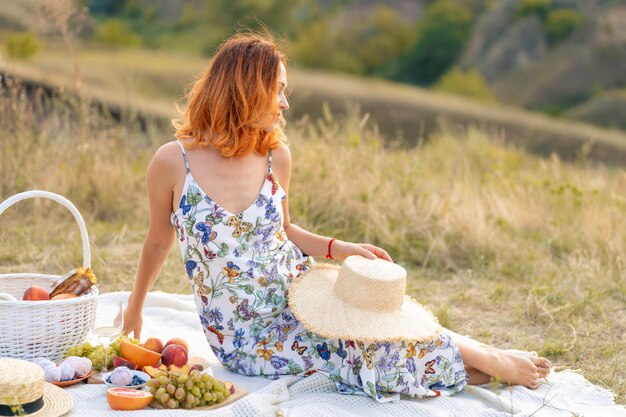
x,y
133,321
341,250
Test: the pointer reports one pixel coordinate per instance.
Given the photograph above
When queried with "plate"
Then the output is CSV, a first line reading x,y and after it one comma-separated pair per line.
x,y
72,381
140,374
239,393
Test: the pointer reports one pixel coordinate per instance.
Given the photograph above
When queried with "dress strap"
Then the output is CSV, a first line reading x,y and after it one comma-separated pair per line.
x,y
182,148
269,161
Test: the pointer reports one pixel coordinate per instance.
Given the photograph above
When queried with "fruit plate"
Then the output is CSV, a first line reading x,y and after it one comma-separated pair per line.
x,y
239,393
72,381
140,374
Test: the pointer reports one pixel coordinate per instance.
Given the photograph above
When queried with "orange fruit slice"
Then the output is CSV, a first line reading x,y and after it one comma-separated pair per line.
x,y
128,399
138,355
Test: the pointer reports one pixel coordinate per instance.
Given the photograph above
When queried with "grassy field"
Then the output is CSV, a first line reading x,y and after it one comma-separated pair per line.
x,y
151,82
510,248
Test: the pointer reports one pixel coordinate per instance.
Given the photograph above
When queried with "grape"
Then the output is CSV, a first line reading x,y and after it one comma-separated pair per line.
x,y
179,394
173,390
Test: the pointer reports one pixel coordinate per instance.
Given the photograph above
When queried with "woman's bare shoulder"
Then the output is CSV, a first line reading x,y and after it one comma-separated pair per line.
x,y
281,162
168,160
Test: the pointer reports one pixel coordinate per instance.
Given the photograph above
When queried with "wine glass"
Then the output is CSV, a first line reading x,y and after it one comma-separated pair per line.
x,y
106,333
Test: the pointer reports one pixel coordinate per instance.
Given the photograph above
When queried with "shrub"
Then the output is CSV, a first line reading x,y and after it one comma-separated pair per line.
x,y
561,23
468,83
114,32
22,45
443,33
538,7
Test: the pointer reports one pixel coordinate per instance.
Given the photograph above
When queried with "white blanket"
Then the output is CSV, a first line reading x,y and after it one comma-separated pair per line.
x,y
174,315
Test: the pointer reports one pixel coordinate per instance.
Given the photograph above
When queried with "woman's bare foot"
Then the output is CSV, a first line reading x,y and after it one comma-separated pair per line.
x,y
481,360
518,370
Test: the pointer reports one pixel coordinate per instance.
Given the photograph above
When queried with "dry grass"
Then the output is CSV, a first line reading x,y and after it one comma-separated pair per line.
x,y
483,228
153,80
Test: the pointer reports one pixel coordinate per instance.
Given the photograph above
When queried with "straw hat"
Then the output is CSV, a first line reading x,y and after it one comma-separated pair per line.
x,y
22,383
361,300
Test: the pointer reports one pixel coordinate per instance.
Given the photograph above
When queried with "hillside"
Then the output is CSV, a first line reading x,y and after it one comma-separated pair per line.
x,y
150,82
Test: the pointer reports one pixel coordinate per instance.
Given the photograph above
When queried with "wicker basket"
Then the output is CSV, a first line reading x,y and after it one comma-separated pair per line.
x,y
29,329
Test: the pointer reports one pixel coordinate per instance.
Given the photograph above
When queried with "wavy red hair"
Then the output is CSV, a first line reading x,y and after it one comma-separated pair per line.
x,y
234,99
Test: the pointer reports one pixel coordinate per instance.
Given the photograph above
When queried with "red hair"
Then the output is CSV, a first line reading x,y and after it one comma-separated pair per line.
x,y
235,98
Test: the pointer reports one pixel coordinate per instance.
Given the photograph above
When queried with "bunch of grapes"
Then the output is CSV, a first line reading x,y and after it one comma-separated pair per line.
x,y
83,350
115,345
96,353
173,390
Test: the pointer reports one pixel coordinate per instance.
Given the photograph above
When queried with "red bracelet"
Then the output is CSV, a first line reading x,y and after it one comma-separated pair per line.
x,y
328,255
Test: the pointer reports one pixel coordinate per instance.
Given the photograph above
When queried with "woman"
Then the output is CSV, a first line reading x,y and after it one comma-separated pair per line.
x,y
241,251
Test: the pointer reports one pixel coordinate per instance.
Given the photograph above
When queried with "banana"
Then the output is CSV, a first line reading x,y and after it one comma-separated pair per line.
x,y
77,284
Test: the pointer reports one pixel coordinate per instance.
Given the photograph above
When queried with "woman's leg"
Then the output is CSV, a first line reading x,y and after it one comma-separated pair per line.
x,y
483,361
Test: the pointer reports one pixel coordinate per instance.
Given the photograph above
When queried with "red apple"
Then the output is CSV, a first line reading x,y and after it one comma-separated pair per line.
x,y
177,341
119,361
154,345
174,355
36,294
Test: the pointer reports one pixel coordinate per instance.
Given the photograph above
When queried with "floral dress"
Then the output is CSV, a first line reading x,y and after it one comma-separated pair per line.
x,y
240,267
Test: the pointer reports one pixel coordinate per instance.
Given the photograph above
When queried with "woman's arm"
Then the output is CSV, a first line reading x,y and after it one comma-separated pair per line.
x,y
310,243
159,238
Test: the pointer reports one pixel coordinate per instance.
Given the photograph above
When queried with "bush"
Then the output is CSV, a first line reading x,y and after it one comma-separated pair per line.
x,y
114,32
443,33
22,45
560,23
538,7
470,84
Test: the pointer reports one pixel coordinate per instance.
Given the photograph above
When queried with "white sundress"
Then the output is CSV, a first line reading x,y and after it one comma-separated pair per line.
x,y
240,267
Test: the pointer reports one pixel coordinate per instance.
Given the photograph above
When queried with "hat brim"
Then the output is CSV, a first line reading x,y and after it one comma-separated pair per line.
x,y
56,402
313,302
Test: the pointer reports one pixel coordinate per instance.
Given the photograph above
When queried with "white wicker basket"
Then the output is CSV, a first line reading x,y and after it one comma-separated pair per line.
x,y
29,329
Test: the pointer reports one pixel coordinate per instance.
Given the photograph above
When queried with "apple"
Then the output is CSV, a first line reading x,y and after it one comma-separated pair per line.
x,y
119,361
174,355
229,386
177,341
36,294
154,345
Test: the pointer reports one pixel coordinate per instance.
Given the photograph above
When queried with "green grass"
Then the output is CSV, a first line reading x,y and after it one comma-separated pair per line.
x,y
152,81
513,249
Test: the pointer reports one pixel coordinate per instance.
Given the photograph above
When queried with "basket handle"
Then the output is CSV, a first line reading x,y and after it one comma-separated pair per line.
x,y
63,201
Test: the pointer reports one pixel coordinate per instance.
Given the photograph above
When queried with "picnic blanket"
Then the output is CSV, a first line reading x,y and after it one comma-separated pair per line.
x,y
167,316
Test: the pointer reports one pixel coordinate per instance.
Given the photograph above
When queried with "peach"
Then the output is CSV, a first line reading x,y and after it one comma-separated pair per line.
x,y
185,369
154,345
177,341
154,371
119,361
138,355
229,386
174,355
36,294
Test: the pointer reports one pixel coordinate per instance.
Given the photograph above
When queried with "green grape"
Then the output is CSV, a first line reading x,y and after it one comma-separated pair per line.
x,y
187,406
220,397
197,378
171,389
190,399
206,377
172,403
195,391
160,392
182,379
206,396
189,385
179,394
163,380
164,398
